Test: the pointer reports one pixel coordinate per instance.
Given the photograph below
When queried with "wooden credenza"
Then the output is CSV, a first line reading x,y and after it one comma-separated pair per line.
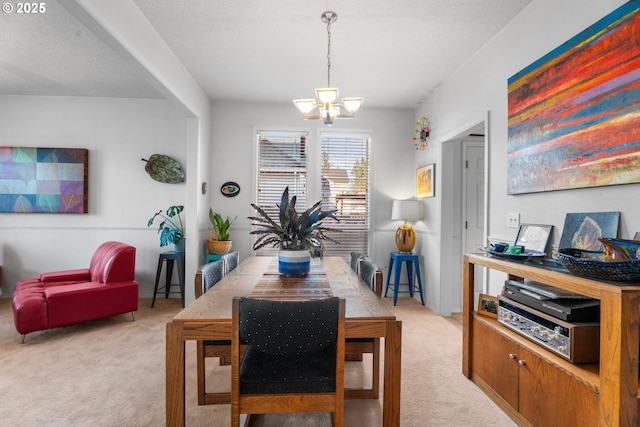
x,y
535,386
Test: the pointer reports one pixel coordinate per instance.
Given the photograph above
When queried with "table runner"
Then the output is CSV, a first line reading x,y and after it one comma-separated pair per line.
x,y
273,285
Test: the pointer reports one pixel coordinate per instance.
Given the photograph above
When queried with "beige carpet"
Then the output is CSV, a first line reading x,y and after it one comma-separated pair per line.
x,y
110,372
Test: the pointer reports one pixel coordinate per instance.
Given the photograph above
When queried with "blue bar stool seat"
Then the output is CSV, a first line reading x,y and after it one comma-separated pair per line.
x,y
411,261
170,257
212,257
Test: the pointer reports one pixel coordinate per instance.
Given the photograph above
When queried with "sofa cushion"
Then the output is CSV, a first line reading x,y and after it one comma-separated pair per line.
x,y
30,307
80,302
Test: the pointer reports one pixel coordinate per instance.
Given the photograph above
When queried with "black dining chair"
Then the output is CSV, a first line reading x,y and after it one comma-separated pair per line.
x,y
208,275
293,357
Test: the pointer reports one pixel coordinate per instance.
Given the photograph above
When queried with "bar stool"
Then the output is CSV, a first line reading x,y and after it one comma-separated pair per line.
x,y
211,257
396,261
170,257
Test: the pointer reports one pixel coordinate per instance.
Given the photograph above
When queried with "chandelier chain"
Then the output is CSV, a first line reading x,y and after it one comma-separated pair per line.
x,y
329,52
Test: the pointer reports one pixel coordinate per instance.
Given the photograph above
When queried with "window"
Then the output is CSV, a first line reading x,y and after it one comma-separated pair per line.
x,y
345,187
282,162
282,159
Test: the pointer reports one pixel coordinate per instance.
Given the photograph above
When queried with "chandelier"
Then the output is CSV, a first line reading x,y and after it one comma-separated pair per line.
x,y
326,106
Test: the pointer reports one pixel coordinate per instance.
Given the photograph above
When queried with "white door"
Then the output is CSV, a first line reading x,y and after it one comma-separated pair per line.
x,y
473,200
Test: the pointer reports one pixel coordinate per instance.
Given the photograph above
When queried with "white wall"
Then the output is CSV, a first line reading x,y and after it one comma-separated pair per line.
x,y
481,85
233,141
122,196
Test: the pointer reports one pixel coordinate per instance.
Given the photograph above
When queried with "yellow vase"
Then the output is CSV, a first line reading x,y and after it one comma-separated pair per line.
x,y
405,238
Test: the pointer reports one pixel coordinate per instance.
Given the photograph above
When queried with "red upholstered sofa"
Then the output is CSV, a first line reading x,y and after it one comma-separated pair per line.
x,y
63,298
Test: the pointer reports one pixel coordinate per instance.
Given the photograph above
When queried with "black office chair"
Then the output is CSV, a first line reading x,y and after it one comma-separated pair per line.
x,y
208,275
294,357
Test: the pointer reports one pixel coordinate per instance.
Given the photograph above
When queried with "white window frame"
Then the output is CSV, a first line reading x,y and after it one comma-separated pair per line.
x,y
314,161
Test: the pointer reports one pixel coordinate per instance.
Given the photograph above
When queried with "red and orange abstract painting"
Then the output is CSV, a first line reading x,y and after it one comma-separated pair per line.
x,y
574,114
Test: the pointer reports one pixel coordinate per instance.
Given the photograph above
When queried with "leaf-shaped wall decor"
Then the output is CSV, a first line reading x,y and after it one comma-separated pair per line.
x,y
164,169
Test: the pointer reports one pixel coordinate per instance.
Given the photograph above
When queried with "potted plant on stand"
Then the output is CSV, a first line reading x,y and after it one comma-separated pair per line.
x,y
171,229
295,234
219,241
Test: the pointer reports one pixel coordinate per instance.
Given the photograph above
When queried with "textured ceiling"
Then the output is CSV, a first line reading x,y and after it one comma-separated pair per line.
x,y
391,53
53,54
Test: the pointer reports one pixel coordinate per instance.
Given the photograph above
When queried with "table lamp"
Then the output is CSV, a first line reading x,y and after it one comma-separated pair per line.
x,y
405,210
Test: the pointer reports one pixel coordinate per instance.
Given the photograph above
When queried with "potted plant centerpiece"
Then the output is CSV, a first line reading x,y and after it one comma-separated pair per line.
x,y
171,229
219,241
295,234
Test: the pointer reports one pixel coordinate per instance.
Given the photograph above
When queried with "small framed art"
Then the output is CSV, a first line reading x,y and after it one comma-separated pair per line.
x,y
425,183
488,305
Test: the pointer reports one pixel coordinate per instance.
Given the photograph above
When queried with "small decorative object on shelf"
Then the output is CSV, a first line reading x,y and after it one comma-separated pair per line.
x,y
423,131
293,231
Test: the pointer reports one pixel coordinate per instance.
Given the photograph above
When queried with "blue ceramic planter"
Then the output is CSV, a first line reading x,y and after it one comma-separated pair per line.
x,y
294,262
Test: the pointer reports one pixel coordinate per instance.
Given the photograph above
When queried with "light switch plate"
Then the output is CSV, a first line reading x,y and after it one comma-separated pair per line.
x,y
513,220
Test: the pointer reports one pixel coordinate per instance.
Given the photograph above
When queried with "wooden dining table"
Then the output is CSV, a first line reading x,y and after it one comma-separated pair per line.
x,y
209,318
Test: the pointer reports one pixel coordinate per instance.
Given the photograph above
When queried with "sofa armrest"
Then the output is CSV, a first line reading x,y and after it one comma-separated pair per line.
x,y
80,275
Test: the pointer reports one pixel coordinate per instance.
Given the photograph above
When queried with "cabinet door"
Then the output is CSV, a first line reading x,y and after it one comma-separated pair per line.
x,y
491,362
551,397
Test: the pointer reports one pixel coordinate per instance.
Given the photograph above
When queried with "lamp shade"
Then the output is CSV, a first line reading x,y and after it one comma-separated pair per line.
x,y
406,210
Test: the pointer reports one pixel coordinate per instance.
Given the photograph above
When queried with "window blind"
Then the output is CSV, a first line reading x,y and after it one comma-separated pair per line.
x,y
282,162
345,183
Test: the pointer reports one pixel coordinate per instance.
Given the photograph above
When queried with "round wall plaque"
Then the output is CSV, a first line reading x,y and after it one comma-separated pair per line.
x,y
230,189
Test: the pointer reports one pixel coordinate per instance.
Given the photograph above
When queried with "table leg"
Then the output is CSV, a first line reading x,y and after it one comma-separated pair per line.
x,y
175,376
392,372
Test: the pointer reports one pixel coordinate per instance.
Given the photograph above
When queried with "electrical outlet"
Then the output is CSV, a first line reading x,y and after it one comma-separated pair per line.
x,y
513,220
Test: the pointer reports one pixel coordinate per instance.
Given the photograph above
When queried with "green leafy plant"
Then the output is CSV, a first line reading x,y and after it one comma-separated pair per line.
x,y
170,227
294,230
220,226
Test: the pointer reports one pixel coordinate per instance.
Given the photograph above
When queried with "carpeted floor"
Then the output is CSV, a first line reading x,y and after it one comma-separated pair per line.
x,y
111,372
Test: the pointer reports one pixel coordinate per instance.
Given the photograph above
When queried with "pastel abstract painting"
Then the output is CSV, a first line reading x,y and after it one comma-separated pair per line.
x,y
43,180
574,114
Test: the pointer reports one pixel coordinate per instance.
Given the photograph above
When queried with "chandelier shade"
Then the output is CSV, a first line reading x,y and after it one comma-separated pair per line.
x,y
326,106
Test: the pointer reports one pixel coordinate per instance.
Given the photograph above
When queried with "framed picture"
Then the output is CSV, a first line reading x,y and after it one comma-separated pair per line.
x,y
572,122
44,180
488,305
534,236
581,230
425,183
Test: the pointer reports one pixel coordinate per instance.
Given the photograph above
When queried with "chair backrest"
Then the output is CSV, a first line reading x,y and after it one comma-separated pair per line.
x,y
230,260
208,275
356,257
113,262
289,327
371,274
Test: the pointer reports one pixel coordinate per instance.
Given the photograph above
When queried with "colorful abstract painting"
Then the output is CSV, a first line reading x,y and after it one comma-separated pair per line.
x,y
50,180
574,114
